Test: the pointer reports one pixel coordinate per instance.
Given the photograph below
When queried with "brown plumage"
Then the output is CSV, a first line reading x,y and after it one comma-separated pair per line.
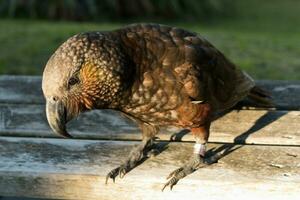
x,y
156,75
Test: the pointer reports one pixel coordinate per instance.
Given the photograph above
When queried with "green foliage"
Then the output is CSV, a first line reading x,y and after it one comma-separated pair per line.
x,y
263,40
27,45
116,9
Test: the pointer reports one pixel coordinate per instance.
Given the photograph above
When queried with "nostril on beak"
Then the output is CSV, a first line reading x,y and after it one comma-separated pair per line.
x,y
54,98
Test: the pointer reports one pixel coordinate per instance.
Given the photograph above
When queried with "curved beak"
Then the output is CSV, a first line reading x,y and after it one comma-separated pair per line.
x,y
57,117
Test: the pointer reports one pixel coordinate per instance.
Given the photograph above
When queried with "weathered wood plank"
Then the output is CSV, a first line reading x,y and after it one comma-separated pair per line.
x,y
76,169
21,89
27,90
244,126
286,94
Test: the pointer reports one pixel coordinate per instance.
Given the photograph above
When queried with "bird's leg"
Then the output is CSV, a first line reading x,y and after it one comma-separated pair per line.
x,y
196,160
138,153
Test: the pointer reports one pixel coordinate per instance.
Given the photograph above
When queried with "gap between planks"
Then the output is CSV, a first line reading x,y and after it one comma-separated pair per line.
x,y
76,169
244,126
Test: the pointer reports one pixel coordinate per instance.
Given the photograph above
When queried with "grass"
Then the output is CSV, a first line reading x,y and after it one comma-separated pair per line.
x,y
263,40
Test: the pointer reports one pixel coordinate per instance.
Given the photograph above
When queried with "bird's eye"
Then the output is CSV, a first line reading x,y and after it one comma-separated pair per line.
x,y
73,81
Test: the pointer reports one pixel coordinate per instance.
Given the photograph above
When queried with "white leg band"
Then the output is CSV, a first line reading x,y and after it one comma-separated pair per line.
x,y
200,149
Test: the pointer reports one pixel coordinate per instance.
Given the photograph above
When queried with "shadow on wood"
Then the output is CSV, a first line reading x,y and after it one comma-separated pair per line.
x,y
215,154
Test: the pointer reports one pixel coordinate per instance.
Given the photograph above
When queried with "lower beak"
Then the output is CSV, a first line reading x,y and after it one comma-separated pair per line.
x,y
57,118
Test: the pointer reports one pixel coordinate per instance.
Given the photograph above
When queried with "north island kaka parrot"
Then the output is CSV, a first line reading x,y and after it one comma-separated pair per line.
x,y
156,75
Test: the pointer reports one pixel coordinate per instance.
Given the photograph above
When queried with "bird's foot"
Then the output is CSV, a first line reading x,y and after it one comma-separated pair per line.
x,y
137,155
195,162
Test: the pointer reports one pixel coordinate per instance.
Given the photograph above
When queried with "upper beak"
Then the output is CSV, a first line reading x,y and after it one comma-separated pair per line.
x,y
57,117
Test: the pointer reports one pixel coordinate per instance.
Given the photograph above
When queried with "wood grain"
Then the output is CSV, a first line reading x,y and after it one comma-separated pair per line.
x,y
76,169
244,126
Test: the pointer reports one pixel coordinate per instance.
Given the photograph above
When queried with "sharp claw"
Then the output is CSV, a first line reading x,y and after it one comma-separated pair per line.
x,y
182,172
112,175
122,172
108,176
171,183
106,180
171,187
165,186
136,155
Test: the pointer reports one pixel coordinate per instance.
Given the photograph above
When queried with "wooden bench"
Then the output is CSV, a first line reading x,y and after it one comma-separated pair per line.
x,y
259,151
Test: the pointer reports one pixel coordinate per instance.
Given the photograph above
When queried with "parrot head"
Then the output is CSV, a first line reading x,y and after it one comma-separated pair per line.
x,y
88,71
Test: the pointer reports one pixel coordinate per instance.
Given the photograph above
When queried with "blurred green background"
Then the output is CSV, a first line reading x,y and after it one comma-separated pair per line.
x,y
262,37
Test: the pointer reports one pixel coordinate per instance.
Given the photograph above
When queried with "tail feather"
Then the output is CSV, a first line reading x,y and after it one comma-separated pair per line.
x,y
260,97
